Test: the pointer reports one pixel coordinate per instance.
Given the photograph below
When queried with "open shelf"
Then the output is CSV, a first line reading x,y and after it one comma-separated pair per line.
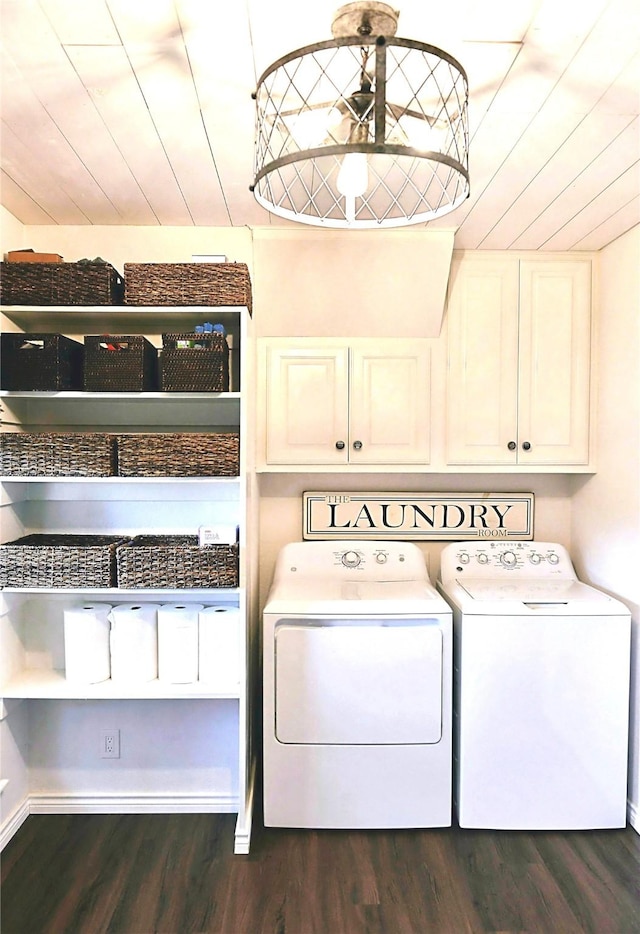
x,y
193,594
68,395
121,481
42,683
156,318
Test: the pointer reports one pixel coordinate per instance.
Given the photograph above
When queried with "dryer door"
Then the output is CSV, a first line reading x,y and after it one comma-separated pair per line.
x,y
358,682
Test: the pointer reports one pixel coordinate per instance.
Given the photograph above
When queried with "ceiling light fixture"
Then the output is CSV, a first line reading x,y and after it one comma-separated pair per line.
x,y
363,130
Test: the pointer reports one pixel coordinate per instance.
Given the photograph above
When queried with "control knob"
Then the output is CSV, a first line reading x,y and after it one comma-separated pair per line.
x,y
463,557
482,558
351,559
381,557
535,558
508,559
552,558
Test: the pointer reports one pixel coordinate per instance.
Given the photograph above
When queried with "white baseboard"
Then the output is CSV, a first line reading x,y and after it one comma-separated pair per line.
x,y
13,823
633,813
133,804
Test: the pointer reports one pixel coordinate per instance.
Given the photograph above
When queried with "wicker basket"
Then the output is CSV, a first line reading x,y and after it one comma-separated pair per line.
x,y
178,455
175,562
189,369
44,454
40,362
120,363
187,284
60,284
70,561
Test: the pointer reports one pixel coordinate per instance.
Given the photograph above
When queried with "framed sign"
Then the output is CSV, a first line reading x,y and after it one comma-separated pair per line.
x,y
438,517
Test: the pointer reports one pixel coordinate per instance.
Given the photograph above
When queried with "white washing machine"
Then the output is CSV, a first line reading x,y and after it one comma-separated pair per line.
x,y
541,690
357,689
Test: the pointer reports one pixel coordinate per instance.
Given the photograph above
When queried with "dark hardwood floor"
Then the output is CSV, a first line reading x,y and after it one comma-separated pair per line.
x,y
131,874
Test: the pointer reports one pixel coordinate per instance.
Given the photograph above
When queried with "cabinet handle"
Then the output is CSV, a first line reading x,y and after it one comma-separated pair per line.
x,y
357,445
526,445
340,445
512,445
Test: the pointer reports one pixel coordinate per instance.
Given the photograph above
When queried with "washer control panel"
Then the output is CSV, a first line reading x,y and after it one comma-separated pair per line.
x,y
496,560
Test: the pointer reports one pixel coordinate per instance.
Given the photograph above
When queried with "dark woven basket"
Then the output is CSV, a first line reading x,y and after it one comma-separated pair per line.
x,y
178,455
131,367
175,562
45,454
187,369
76,561
40,362
60,284
187,284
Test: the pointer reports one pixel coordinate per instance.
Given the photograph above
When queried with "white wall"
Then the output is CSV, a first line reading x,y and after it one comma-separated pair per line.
x,y
606,507
14,772
185,750
319,283
12,232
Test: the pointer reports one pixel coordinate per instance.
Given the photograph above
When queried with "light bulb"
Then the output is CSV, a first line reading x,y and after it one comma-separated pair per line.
x,y
353,177
311,127
422,135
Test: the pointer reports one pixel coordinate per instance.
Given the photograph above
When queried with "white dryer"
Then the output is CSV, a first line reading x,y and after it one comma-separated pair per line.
x,y
541,690
357,689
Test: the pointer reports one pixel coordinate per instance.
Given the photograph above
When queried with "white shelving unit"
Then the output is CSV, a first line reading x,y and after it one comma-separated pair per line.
x,y
31,623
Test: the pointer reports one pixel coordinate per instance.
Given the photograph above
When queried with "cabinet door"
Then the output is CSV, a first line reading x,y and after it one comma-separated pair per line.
x,y
390,405
555,341
307,405
482,380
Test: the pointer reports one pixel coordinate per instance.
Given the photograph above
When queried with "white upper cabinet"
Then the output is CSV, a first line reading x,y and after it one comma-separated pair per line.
x,y
389,414
307,392
554,362
482,383
519,362
346,402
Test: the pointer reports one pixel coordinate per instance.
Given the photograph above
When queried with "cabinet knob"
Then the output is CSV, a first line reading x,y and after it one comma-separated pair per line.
x,y
526,446
357,445
340,445
512,445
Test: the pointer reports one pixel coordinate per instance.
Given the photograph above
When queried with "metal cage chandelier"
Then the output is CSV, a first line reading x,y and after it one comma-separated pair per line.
x,y
363,130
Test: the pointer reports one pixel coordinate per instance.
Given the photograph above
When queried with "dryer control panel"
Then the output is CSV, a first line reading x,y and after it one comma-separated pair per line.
x,y
495,560
361,560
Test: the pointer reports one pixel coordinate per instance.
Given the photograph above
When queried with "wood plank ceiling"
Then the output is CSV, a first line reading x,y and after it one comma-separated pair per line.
x,y
139,112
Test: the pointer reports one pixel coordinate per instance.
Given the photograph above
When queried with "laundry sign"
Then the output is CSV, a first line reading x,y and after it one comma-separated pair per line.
x,y
435,516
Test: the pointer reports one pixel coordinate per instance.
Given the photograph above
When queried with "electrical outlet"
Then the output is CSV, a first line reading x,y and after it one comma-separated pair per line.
x,y
110,745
